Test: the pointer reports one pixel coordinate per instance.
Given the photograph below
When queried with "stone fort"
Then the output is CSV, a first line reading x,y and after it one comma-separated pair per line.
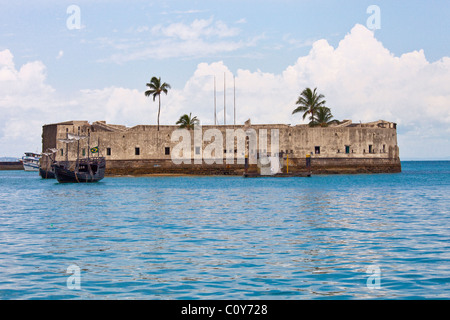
x,y
344,148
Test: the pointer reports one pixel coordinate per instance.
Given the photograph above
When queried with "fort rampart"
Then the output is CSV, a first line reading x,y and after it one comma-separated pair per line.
x,y
345,148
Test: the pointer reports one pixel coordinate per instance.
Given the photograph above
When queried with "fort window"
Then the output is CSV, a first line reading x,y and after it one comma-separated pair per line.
x,y
197,150
347,149
167,151
384,148
137,151
317,150
62,152
83,152
370,148
108,151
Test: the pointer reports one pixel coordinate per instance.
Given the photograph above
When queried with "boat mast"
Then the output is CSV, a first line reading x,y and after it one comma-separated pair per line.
x,y
78,151
88,152
89,145
67,150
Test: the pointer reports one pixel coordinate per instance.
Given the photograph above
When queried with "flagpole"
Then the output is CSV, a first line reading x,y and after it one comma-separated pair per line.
x,y
215,112
234,97
224,100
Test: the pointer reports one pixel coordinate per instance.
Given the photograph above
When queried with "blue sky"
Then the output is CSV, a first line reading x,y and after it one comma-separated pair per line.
x,y
121,45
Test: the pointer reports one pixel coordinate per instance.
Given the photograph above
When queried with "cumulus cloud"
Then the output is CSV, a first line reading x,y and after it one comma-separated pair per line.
x,y
27,102
360,78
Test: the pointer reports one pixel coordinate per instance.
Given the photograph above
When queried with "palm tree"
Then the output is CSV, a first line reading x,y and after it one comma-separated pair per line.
x,y
186,121
308,102
324,117
155,89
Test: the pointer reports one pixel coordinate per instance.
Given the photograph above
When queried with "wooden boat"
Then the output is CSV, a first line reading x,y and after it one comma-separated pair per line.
x,y
45,166
86,170
90,169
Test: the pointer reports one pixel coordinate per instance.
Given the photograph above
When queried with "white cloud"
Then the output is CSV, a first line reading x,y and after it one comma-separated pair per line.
x,y
167,49
60,54
360,78
200,38
199,28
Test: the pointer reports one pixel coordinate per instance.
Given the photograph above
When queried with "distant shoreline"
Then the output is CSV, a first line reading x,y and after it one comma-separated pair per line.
x,y
11,165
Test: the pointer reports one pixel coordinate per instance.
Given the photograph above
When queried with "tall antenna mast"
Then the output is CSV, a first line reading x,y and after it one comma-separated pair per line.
x,y
215,113
224,101
234,97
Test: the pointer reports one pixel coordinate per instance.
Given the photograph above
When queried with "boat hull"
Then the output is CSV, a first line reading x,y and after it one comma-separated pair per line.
x,y
46,174
31,166
65,175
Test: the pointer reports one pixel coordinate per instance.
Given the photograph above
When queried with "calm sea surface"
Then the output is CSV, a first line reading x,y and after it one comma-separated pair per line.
x,y
380,236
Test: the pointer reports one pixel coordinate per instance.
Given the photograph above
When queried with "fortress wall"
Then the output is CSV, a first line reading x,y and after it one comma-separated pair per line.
x,y
351,149
332,142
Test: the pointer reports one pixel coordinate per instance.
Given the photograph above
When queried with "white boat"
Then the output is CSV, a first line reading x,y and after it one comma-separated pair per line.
x,y
30,161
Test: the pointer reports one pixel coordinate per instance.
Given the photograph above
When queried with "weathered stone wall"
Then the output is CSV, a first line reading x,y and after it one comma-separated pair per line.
x,y
318,166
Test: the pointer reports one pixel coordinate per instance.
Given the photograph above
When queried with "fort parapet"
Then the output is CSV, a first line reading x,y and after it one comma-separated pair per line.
x,y
344,148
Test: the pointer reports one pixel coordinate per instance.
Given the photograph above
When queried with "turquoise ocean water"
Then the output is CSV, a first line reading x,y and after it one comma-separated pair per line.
x,y
228,237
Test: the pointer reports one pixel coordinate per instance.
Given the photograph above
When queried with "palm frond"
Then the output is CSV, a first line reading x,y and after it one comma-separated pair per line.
x,y
309,101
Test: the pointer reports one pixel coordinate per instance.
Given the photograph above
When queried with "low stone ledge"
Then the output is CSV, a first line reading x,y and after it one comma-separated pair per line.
x,y
319,166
